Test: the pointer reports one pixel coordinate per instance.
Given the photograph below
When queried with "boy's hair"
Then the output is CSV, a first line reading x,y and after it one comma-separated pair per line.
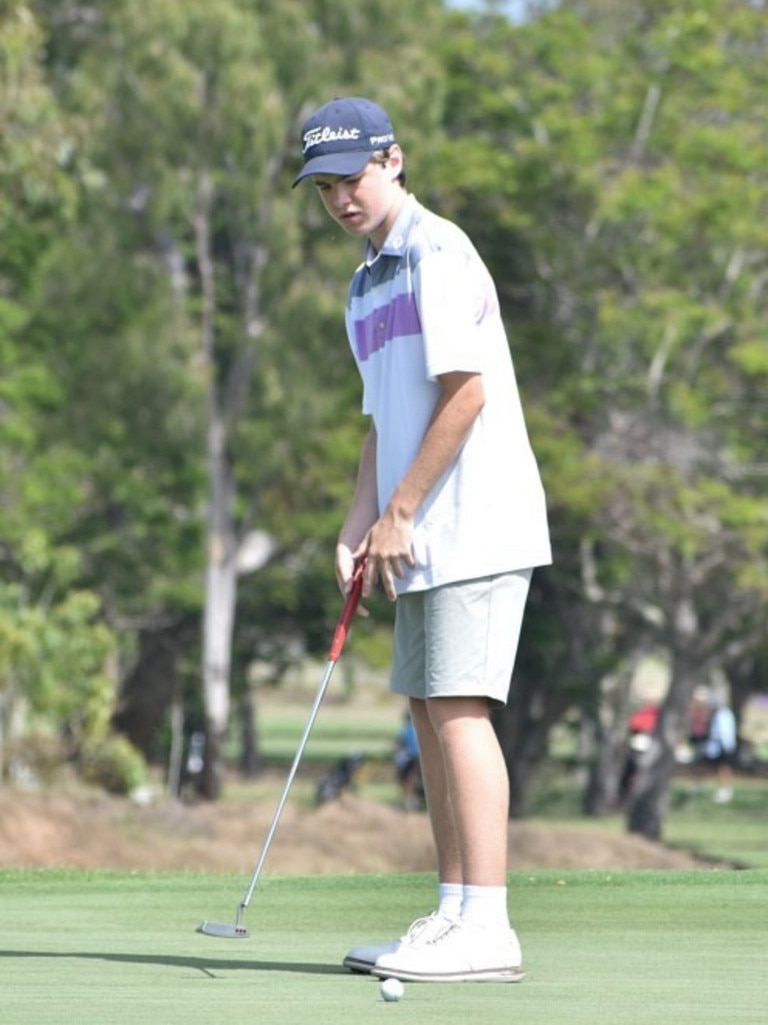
x,y
381,156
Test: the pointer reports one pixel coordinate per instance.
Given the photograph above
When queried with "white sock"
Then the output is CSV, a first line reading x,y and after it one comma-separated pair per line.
x,y
451,897
485,906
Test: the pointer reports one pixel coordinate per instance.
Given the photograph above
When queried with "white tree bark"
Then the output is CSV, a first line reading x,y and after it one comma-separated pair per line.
x,y
221,546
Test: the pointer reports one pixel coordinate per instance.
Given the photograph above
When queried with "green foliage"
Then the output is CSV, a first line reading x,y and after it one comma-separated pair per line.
x,y
113,764
56,664
638,182
34,188
55,658
608,159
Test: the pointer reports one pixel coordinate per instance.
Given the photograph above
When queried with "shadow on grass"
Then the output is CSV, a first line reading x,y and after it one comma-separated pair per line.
x,y
208,966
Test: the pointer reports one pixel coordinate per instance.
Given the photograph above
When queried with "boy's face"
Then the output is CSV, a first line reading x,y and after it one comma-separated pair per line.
x,y
366,203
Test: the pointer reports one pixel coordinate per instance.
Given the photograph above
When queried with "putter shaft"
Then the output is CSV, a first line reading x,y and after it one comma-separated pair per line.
x,y
238,930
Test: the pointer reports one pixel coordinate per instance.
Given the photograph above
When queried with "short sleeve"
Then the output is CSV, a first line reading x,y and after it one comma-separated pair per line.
x,y
451,296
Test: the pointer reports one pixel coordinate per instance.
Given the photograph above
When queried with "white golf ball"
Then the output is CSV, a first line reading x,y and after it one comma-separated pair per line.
x,y
392,989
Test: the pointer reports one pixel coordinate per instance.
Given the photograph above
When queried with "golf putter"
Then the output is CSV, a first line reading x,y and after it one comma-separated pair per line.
x,y
238,931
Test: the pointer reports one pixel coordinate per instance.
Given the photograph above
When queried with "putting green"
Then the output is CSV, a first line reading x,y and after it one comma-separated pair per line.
x,y
645,948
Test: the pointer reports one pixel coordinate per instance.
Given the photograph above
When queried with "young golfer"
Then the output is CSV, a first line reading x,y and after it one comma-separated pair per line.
x,y
450,514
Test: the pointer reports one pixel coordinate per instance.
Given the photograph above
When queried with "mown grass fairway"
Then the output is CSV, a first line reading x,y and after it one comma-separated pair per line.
x,y
645,948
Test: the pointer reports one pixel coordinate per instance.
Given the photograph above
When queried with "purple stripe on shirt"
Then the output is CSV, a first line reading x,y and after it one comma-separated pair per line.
x,y
397,318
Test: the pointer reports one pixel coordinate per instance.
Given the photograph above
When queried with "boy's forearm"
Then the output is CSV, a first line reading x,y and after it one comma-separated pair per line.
x,y
364,510
459,405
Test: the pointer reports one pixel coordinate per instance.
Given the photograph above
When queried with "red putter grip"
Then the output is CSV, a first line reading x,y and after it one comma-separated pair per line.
x,y
350,607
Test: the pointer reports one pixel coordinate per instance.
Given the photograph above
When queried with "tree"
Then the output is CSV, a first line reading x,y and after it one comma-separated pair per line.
x,y
174,393
605,178
55,654
194,111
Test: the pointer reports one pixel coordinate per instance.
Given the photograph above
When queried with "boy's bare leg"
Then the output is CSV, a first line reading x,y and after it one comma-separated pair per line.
x,y
437,795
466,770
467,789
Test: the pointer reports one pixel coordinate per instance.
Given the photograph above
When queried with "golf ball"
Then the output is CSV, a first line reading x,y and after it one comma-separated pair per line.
x,y
392,989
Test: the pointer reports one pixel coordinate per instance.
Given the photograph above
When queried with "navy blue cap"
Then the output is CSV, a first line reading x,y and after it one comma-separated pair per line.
x,y
340,137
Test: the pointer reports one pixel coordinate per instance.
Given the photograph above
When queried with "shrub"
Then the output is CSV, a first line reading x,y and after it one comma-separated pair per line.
x,y
114,764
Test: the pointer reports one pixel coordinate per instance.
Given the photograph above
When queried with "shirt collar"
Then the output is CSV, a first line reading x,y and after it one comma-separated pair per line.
x,y
397,239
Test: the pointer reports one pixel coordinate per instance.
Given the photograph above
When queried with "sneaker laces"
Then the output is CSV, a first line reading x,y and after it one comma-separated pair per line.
x,y
418,927
450,928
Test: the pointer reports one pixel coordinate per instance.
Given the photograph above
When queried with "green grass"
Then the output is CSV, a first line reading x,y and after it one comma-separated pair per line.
x,y
736,832
340,728
115,949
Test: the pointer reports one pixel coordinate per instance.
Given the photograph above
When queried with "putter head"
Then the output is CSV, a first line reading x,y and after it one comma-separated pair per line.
x,y
224,932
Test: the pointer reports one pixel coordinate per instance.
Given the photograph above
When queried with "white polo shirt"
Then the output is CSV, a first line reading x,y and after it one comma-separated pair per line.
x,y
425,305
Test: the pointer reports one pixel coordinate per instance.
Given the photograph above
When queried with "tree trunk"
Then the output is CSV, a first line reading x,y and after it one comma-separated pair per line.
x,y
650,793
604,769
176,753
250,758
219,614
648,803
147,691
523,728
221,548
609,731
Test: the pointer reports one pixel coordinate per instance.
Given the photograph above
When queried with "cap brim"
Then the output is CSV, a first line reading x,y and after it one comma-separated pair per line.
x,y
334,163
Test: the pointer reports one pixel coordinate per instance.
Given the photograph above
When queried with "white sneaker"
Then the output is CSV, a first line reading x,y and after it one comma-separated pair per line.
x,y
363,959
461,952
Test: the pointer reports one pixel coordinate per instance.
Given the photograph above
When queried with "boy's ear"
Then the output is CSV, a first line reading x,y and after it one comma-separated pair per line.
x,y
395,162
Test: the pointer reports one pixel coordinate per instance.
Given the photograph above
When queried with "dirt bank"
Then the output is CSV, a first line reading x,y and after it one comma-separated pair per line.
x,y
351,834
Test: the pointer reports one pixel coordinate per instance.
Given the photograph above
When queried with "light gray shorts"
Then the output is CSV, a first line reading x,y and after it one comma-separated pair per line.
x,y
460,640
